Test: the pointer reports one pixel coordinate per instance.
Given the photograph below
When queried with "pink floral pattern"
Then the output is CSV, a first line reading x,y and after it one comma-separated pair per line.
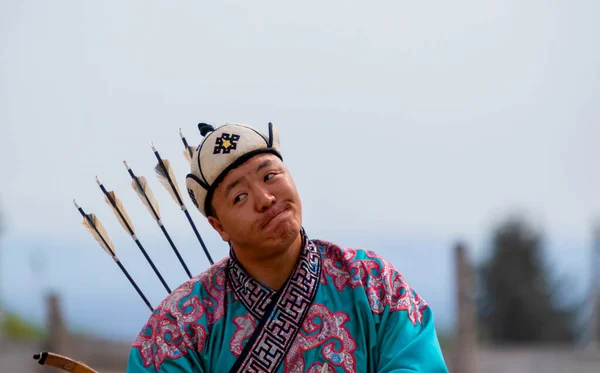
x,y
383,284
245,327
174,329
215,284
318,368
337,345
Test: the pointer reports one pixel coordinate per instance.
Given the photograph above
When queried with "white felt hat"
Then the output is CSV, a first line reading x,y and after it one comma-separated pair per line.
x,y
222,150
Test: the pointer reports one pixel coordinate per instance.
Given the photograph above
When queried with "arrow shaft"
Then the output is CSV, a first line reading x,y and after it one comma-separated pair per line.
x,y
162,280
134,284
164,230
185,143
187,214
187,147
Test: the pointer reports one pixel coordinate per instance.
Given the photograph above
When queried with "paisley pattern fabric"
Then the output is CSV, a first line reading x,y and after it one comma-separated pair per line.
x,y
342,310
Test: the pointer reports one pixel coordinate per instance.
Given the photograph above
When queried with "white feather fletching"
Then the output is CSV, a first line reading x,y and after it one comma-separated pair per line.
x,y
187,153
144,192
164,180
99,233
119,207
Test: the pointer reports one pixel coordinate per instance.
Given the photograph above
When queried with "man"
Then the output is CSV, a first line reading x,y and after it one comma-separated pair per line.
x,y
280,302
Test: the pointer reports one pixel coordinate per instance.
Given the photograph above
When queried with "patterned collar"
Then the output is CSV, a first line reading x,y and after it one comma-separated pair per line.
x,y
255,296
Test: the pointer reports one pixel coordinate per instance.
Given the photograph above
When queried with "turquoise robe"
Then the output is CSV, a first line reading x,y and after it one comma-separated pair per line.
x,y
341,310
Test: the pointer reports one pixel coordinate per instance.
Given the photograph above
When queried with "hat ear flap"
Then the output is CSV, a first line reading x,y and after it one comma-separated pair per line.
x,y
197,191
273,136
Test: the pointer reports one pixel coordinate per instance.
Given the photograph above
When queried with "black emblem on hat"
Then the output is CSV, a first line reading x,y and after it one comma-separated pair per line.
x,y
226,143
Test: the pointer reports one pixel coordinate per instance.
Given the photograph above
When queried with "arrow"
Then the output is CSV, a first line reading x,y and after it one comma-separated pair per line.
x,y
188,151
112,200
165,175
142,189
93,225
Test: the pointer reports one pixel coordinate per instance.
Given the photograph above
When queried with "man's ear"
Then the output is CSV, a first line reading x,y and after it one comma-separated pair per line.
x,y
216,224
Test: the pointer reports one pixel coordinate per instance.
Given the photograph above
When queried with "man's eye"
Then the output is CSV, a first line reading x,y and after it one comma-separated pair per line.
x,y
269,176
239,198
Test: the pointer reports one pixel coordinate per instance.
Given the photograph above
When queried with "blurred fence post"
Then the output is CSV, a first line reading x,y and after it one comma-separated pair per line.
x,y
58,336
465,341
2,316
594,330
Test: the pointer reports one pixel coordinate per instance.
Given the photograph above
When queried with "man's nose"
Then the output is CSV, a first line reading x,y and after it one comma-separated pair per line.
x,y
264,199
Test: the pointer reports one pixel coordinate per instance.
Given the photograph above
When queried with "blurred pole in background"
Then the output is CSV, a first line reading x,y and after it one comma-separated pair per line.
x,y
594,328
57,339
464,347
2,314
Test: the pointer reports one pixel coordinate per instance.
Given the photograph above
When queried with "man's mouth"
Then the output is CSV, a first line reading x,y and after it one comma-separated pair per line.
x,y
270,219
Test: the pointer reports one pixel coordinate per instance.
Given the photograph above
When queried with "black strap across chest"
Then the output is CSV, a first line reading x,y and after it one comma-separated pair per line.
x,y
281,313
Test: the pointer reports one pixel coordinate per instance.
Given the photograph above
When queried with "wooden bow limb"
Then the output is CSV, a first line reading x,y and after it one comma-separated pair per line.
x,y
62,362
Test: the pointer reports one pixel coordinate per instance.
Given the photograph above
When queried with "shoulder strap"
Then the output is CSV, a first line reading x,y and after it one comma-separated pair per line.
x,y
283,318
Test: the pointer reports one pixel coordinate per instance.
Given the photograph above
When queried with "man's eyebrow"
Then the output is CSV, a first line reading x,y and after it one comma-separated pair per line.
x,y
265,163
232,185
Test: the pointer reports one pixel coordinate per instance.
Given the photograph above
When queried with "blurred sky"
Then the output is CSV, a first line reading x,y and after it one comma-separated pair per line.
x,y
407,126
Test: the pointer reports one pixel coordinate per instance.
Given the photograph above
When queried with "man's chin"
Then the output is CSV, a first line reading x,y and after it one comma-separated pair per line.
x,y
283,237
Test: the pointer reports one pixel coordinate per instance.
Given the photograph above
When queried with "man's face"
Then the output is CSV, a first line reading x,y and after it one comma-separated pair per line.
x,y
257,207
